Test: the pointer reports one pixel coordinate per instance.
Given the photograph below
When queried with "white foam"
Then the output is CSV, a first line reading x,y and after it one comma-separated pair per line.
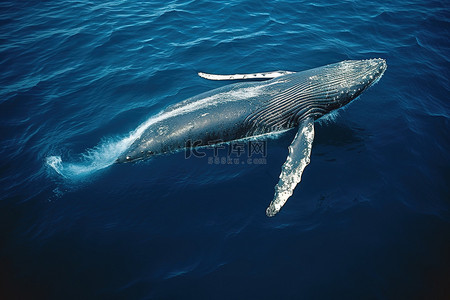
x,y
330,117
95,159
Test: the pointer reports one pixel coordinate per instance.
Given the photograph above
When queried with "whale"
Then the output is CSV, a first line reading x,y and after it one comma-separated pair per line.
x,y
259,104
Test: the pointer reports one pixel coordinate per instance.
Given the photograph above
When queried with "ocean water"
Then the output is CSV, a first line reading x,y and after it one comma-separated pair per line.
x,y
79,79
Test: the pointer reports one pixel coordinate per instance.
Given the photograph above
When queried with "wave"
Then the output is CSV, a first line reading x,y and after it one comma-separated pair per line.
x,y
99,157
95,159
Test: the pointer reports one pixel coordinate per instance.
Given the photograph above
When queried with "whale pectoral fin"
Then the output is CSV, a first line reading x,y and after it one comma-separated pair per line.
x,y
252,76
292,169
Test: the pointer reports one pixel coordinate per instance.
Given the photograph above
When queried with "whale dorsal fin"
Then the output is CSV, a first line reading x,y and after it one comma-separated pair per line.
x,y
251,76
292,169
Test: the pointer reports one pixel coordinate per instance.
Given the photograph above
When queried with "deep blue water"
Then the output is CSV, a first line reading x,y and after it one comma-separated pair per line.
x,y
370,218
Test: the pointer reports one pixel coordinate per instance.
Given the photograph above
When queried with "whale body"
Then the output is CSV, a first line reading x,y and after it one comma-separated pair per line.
x,y
249,109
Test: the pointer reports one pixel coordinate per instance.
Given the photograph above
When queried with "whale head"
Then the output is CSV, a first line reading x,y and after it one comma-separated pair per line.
x,y
338,84
317,92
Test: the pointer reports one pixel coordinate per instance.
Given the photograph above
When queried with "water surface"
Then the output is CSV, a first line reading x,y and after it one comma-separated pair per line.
x,y
370,218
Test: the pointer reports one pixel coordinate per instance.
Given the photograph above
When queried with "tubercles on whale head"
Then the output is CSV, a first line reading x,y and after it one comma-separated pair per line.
x,y
354,78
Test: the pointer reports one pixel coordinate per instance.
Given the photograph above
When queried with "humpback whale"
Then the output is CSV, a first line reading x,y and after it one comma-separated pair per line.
x,y
250,109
